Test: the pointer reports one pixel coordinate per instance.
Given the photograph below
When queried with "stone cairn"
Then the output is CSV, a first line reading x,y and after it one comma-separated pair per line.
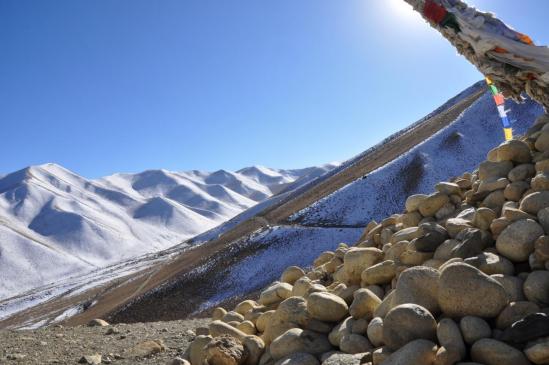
x,y
461,277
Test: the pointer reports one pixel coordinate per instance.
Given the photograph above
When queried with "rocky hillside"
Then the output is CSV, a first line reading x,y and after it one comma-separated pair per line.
x,y
460,277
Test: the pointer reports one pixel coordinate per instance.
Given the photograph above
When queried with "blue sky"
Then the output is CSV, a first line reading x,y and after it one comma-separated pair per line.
x,y
127,85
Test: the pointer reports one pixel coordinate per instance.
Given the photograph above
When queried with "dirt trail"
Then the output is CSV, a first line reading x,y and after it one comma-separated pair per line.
x,y
139,294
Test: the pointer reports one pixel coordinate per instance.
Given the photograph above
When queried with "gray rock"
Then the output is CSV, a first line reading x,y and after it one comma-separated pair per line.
x,y
354,344
466,291
474,329
521,172
449,336
538,352
418,285
299,358
529,328
492,352
491,264
490,170
90,359
515,190
513,286
543,218
417,352
327,307
471,243
298,340
515,151
516,242
534,202
375,331
98,323
536,287
408,322
432,236
429,206
345,359
515,311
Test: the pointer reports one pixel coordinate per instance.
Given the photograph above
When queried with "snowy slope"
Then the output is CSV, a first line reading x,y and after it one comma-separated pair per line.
x,y
54,222
322,226
456,149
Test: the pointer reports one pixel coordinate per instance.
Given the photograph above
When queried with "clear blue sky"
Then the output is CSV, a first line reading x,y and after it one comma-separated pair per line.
x,y
127,85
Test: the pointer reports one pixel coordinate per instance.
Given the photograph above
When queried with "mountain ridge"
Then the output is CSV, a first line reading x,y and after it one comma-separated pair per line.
x,y
79,224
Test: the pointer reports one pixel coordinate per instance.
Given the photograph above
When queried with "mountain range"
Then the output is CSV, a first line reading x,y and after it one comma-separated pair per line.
x,y
237,258
55,223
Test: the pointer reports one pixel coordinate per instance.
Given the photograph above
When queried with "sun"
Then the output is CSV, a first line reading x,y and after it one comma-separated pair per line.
x,y
402,10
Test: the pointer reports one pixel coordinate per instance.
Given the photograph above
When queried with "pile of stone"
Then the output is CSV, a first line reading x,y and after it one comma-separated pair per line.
x,y
461,277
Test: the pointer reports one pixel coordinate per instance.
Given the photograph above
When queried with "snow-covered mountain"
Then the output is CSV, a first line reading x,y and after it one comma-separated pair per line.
x,y
54,222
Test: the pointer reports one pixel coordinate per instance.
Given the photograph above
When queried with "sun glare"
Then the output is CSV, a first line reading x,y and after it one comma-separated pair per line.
x,y
402,10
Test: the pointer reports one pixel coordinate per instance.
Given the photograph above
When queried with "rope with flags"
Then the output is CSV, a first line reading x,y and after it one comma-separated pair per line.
x,y
500,104
438,14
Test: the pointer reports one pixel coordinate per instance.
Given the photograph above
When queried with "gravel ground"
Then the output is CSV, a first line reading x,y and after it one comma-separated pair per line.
x,y
67,345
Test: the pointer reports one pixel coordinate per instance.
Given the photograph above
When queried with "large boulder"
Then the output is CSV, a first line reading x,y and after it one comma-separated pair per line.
x,y
515,151
417,352
474,329
418,285
538,352
406,234
491,264
529,328
413,202
515,311
327,307
291,274
521,172
340,330
429,206
275,293
432,236
536,287
197,355
534,202
483,218
298,340
225,350
408,322
513,286
375,331
492,352
364,304
354,344
516,242
466,291
471,243
449,337
381,273
492,170
357,259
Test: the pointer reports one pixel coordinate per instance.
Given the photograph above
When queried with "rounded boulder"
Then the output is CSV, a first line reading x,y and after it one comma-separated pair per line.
x,y
298,340
516,242
492,352
418,285
327,307
408,322
466,291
